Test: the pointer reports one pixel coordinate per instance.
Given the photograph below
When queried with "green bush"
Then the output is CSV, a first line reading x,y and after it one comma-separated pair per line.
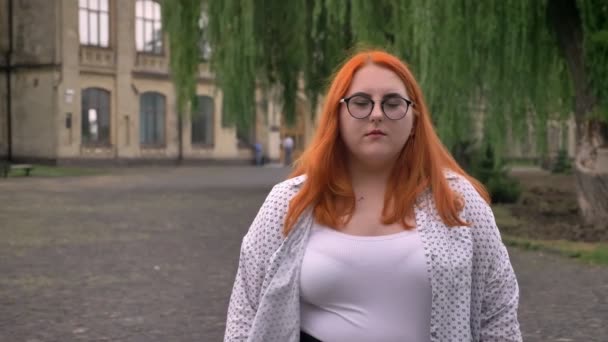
x,y
503,189
464,152
562,162
495,176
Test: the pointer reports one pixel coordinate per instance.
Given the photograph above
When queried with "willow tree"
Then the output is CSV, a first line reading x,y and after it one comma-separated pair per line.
x,y
181,19
513,61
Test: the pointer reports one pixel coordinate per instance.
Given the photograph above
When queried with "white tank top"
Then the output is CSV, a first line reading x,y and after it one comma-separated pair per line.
x,y
365,288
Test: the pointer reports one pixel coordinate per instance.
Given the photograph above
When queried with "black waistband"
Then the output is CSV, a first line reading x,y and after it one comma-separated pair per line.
x,y
304,337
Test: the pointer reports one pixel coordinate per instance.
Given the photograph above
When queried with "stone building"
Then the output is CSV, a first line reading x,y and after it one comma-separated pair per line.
x,y
88,80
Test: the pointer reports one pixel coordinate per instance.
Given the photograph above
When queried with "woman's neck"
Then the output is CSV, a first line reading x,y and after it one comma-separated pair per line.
x,y
369,181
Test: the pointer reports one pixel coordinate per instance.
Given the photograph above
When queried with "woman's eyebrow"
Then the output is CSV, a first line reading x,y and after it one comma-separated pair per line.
x,y
389,94
360,93
393,94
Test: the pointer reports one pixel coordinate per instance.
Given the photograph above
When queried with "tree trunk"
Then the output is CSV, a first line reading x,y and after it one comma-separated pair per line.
x,y
180,145
592,189
591,177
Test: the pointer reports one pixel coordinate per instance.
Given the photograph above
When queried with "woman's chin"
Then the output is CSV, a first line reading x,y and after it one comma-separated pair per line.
x,y
376,157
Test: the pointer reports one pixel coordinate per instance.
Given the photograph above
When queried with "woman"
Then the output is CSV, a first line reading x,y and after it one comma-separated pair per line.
x,y
378,235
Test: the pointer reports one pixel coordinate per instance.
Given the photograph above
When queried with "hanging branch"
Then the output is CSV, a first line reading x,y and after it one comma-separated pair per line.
x,y
595,28
181,22
499,55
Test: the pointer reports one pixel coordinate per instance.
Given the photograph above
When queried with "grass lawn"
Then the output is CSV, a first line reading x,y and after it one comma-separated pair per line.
x,y
594,253
56,171
522,162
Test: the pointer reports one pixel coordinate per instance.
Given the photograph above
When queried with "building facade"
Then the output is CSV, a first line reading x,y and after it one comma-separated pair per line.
x,y
86,80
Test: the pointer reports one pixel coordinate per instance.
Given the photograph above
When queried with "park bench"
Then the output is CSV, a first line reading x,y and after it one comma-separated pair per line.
x,y
5,168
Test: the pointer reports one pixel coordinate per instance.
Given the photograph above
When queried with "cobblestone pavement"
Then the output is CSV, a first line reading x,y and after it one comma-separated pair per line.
x,y
150,254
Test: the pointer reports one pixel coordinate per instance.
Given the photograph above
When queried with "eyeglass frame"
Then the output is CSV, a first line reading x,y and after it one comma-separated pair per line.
x,y
410,104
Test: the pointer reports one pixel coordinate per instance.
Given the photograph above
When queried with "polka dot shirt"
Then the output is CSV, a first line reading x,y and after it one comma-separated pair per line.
x,y
475,293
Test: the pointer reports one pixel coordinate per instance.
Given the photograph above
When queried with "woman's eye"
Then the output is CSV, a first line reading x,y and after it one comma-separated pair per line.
x,y
394,103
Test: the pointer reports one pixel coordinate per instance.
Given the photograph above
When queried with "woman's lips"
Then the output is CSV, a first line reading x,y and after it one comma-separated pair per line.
x,y
375,133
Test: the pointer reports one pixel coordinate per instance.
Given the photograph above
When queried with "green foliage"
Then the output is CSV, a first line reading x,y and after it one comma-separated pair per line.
x,y
483,164
464,153
595,26
232,35
325,46
256,43
181,22
562,162
498,57
493,173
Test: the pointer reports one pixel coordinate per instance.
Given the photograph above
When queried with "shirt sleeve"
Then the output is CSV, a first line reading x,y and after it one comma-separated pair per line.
x,y
247,285
500,299
257,248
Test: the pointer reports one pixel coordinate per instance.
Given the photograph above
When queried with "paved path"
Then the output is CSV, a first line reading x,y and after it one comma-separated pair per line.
x,y
149,255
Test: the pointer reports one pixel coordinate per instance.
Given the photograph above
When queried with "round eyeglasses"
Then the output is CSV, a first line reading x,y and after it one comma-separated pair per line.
x,y
394,107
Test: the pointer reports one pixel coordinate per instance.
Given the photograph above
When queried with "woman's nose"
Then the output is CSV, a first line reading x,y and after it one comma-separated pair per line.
x,y
376,114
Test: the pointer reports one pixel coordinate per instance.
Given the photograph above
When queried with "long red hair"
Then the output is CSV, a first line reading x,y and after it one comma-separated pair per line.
x,y
420,165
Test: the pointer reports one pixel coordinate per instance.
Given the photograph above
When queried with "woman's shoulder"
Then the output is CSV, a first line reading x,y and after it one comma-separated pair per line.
x,y
272,214
292,184
282,192
476,211
463,186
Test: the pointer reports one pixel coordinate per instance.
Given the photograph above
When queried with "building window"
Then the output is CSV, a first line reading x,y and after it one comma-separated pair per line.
x,y
94,22
152,119
95,116
148,27
202,122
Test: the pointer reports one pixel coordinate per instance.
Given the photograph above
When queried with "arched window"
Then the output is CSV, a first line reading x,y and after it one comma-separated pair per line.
x,y
202,122
148,27
152,119
94,22
95,116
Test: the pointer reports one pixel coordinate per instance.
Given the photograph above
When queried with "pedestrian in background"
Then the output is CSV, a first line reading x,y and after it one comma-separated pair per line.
x,y
288,149
259,154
